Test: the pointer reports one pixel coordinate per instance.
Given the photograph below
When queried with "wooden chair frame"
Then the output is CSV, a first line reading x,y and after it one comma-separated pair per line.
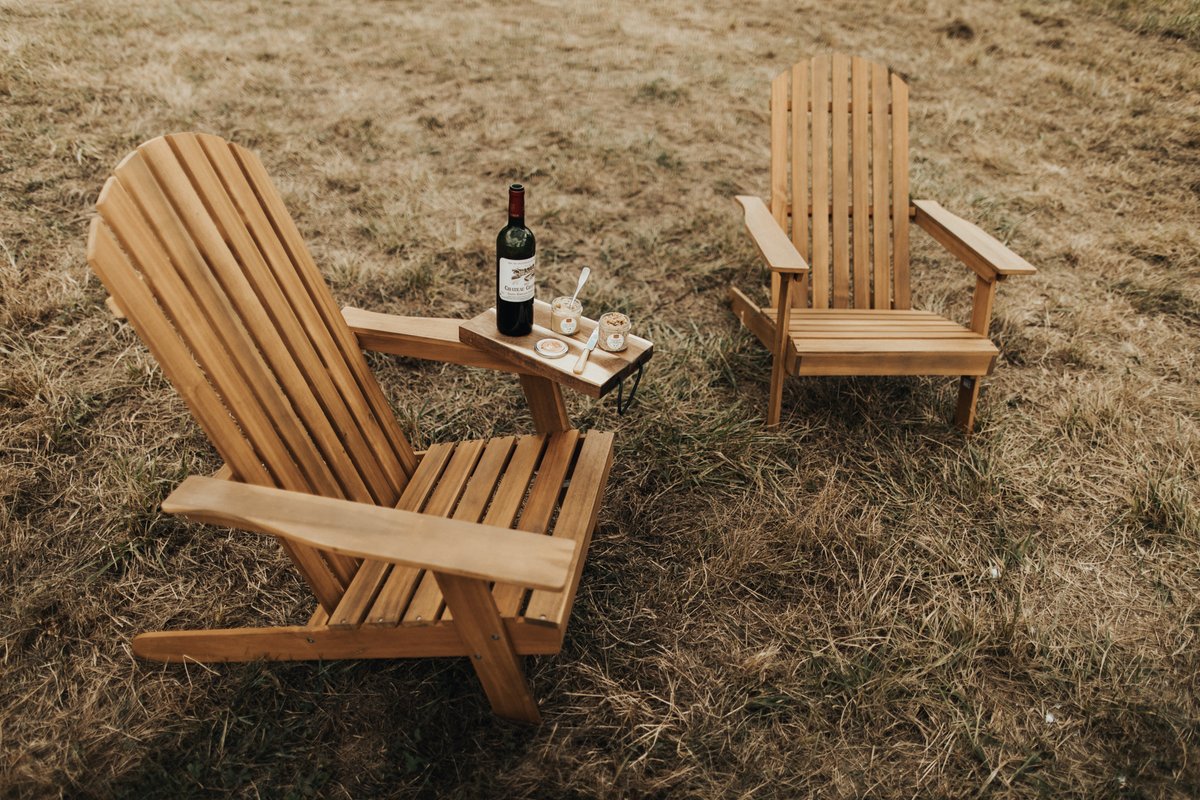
x,y
198,253
855,314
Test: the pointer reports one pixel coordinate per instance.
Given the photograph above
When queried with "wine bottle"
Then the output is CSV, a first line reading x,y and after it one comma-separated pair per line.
x,y
515,261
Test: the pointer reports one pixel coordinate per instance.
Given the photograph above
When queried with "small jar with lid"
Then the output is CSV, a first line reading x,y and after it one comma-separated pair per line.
x,y
565,312
614,330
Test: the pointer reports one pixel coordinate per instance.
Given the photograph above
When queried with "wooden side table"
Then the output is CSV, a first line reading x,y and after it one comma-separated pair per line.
x,y
541,377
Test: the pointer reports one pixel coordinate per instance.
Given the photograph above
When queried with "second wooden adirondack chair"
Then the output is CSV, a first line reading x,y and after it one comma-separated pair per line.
x,y
840,203
409,555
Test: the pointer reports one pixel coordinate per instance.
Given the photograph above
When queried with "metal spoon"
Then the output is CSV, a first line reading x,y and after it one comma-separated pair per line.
x,y
583,276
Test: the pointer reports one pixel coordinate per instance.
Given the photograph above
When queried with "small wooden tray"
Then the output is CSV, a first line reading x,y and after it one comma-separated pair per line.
x,y
602,373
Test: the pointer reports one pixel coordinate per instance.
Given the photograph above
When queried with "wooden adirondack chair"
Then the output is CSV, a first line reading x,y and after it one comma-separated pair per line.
x,y
401,549
841,125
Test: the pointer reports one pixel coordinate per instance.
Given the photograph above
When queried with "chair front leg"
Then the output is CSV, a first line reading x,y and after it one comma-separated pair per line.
x,y
490,649
968,387
783,314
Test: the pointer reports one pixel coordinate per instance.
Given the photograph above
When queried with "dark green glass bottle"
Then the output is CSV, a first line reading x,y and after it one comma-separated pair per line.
x,y
515,261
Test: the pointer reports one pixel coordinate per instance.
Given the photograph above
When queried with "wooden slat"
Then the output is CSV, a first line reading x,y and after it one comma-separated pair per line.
x,y
840,166
779,156
868,213
304,643
201,254
576,522
430,338
969,243
880,285
426,601
829,107
861,313
958,364
191,318
120,277
483,483
777,250
301,325
543,498
860,157
800,183
903,294
443,545
314,283
372,575
222,237
870,344
820,185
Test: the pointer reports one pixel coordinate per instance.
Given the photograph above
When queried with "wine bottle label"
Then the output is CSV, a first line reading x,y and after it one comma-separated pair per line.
x,y
516,279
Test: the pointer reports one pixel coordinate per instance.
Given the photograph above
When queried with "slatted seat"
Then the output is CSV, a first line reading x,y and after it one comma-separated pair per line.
x,y
507,481
470,549
834,342
836,239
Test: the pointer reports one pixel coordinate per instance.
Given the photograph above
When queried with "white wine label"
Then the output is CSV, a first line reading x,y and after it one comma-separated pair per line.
x,y
516,279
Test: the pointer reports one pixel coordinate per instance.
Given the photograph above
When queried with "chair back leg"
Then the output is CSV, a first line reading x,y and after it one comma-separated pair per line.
x,y
968,397
490,649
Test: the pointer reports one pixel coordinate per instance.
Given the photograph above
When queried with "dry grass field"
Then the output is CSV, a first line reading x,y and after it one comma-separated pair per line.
x,y
862,604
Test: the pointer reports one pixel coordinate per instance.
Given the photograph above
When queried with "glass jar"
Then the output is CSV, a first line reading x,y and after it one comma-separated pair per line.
x,y
614,329
565,312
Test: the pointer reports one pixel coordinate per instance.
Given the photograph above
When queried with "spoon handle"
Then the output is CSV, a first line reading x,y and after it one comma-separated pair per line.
x,y
583,276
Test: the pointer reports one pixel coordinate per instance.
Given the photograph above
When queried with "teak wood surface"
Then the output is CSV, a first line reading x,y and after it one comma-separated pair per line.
x,y
601,374
835,238
445,552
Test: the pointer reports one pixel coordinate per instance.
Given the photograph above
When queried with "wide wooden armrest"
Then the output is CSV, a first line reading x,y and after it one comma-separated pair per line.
x,y
429,338
978,250
356,529
776,248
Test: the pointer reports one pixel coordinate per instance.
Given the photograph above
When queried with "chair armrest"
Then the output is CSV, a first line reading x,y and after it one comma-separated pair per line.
x,y
443,545
429,338
776,248
970,244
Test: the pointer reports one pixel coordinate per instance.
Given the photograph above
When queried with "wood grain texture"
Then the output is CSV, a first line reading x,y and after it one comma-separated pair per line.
x,y
881,289
840,175
820,216
969,243
800,182
358,529
489,647
902,293
321,643
777,250
860,164
603,372
427,338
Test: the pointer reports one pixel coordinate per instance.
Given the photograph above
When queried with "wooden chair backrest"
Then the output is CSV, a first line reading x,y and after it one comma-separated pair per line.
x,y
194,243
839,174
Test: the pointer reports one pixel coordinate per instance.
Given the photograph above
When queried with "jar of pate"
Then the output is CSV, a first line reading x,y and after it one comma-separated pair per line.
x,y
614,329
565,312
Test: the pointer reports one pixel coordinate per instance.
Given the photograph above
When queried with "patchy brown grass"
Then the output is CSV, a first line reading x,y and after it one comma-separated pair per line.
x,y
862,604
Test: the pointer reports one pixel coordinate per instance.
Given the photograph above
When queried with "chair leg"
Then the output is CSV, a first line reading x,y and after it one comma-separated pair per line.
x,y
779,346
489,647
775,400
968,397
